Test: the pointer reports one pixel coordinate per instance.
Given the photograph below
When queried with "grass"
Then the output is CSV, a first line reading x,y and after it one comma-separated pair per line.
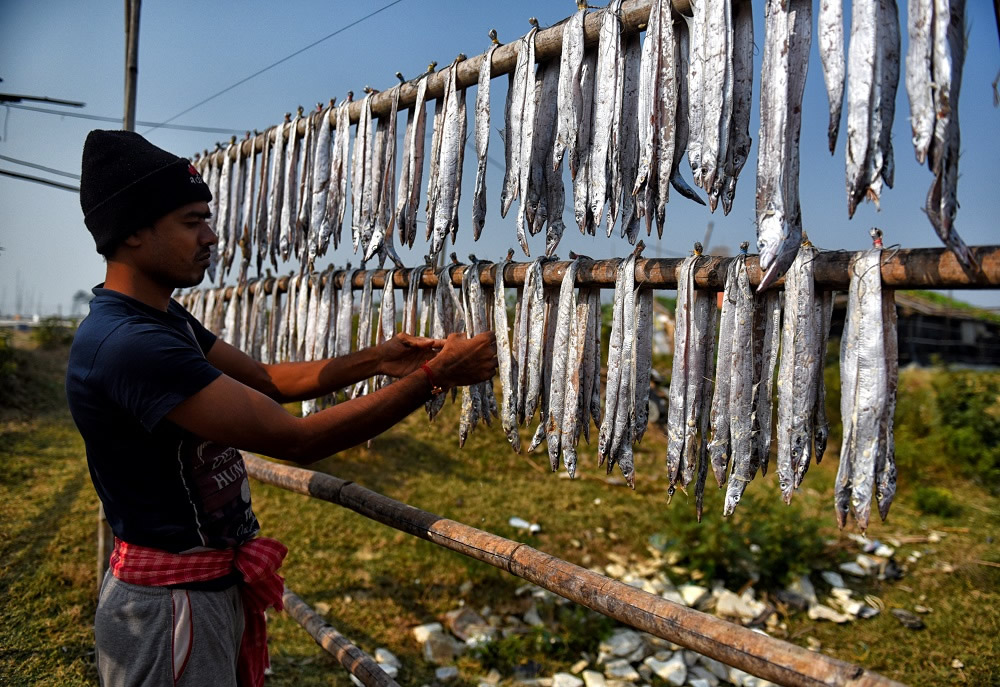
x,y
378,582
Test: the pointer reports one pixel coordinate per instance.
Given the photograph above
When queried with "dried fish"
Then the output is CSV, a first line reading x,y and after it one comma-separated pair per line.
x,y
345,314
301,234
532,327
741,389
943,153
482,141
643,360
222,218
364,328
507,364
603,164
290,190
319,234
570,107
830,30
628,137
779,226
359,167
738,151
823,317
581,182
565,315
719,448
386,319
885,464
863,388
520,98
769,309
407,220
920,73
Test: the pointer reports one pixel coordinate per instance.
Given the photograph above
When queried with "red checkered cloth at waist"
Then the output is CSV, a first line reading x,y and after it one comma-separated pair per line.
x,y
256,561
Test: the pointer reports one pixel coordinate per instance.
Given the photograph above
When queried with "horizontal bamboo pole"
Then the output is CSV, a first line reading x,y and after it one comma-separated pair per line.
x,y
548,45
734,645
357,662
912,268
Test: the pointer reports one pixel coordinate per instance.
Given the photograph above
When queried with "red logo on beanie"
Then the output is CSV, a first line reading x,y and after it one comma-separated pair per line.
x,y
195,176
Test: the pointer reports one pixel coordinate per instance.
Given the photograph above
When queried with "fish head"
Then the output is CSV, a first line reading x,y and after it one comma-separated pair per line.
x,y
778,246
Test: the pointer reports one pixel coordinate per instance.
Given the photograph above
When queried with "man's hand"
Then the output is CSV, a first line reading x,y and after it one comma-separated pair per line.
x,y
463,361
402,354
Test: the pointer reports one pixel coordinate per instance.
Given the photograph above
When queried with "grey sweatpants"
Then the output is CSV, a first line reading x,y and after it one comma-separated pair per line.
x,y
159,637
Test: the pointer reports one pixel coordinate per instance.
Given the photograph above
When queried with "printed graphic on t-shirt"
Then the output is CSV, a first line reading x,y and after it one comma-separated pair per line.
x,y
219,489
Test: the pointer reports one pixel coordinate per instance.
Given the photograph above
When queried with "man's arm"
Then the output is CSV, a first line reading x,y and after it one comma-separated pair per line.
x,y
285,382
229,412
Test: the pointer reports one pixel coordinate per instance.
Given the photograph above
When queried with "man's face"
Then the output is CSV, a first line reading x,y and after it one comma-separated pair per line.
x,y
175,250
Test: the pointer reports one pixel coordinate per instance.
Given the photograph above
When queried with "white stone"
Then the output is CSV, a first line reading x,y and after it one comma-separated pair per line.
x,y
534,528
566,680
733,606
356,681
692,593
690,658
841,593
717,668
622,642
390,670
446,673
532,618
736,676
616,570
591,678
885,551
440,648
673,671
638,654
804,588
821,612
579,666
519,523
675,596
833,579
386,657
853,568
704,674
422,632
867,563
699,682
621,669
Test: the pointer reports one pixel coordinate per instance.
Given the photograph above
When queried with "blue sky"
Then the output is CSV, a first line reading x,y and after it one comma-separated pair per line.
x,y
189,50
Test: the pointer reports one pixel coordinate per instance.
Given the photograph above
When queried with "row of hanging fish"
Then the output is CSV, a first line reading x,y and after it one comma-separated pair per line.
x,y
623,114
724,421
721,392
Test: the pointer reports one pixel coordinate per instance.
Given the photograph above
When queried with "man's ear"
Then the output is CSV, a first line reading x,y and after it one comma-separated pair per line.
x,y
134,240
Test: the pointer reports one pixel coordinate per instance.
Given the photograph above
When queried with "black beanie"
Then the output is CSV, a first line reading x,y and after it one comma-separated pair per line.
x,y
127,183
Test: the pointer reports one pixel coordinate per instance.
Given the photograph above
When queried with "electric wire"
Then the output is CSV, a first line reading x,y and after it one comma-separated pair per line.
x,y
98,118
275,64
39,180
41,167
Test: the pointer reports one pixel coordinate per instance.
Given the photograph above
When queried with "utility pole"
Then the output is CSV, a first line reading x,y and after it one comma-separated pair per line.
x,y
131,61
105,538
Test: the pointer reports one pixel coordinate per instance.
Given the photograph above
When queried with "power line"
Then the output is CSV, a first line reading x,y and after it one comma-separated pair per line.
x,y
155,125
41,167
275,64
39,180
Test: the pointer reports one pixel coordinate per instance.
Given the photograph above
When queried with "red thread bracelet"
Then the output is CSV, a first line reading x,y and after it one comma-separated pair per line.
x,y
435,387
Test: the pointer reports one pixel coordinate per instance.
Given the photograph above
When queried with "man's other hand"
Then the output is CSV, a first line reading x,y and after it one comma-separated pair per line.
x,y
463,361
403,353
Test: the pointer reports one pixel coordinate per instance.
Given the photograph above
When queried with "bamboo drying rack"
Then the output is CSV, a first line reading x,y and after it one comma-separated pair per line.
x,y
755,653
911,268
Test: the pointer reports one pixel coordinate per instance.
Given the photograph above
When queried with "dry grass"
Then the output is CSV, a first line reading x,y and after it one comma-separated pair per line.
x,y
378,582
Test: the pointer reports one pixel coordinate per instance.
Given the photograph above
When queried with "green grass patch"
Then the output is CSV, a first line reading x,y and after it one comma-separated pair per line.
x,y
379,583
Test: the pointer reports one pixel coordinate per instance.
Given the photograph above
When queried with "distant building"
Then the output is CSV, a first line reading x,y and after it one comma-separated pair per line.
x,y
933,329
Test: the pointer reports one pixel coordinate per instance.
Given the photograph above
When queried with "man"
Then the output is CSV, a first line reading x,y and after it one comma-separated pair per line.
x,y
163,405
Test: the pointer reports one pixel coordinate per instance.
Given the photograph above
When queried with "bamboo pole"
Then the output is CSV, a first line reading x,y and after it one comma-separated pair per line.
x,y
912,268
734,645
357,662
548,45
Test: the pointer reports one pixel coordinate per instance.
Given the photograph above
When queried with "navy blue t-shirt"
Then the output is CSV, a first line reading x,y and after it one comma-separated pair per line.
x,y
161,486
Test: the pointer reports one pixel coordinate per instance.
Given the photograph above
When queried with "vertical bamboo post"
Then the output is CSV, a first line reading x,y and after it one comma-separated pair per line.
x,y
105,538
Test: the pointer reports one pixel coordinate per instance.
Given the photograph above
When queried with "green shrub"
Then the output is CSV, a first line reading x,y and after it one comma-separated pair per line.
x,y
937,501
576,629
948,421
764,541
52,333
